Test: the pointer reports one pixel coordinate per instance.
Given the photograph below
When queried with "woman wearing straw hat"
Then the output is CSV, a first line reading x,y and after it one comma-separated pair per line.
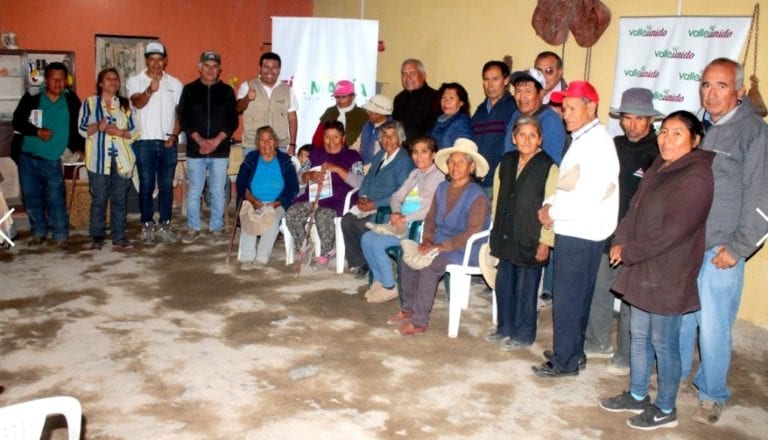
x,y
525,177
459,209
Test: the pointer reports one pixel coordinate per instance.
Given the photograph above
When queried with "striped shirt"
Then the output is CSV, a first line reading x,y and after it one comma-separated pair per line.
x,y
100,147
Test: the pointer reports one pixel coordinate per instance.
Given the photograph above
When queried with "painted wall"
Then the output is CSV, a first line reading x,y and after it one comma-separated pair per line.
x,y
454,38
236,29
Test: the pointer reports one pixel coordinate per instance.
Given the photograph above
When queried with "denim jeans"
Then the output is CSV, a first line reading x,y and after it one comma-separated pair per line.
x,y
114,188
156,164
250,251
720,295
600,326
659,335
516,291
375,251
42,189
216,170
576,263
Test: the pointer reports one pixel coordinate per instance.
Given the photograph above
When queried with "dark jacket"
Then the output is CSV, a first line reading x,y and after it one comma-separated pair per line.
x,y
353,125
663,235
208,110
516,227
489,128
417,110
23,127
447,130
248,170
634,159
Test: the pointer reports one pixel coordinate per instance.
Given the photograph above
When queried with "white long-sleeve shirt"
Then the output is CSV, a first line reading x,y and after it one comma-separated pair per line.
x,y
586,202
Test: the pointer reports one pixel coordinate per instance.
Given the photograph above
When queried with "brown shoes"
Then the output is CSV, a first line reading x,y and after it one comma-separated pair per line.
x,y
399,318
708,412
408,329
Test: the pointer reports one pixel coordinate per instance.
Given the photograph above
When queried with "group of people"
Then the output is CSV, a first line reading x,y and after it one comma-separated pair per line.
x,y
662,221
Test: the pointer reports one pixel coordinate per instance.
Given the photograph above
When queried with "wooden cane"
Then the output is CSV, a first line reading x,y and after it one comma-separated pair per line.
x,y
234,231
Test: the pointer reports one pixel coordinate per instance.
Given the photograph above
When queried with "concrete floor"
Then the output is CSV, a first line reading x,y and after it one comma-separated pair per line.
x,y
169,343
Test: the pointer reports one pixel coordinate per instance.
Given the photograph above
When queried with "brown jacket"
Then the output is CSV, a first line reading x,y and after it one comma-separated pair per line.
x,y
663,235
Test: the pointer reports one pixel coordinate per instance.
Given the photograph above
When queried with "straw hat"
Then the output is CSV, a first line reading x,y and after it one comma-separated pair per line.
x,y
487,263
466,146
256,221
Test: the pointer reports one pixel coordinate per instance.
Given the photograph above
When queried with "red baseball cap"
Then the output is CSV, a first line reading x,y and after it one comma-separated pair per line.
x,y
577,89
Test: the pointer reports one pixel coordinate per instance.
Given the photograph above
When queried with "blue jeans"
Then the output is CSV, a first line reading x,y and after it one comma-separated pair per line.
x,y
114,188
720,295
659,335
156,164
516,291
42,189
375,251
216,170
576,263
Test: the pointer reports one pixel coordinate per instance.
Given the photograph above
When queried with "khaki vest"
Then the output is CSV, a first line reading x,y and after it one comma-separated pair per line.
x,y
267,111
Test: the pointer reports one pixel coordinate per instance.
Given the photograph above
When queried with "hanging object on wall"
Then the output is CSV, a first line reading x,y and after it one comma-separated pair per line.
x,y
754,93
585,19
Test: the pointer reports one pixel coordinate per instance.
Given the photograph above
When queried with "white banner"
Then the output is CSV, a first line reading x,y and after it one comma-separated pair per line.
x,y
317,52
668,54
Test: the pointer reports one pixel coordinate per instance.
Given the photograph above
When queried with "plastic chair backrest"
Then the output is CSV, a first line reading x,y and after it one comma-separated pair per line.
x,y
25,421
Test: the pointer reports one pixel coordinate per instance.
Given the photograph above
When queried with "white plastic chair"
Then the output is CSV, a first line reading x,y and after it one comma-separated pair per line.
x,y
459,286
25,421
290,253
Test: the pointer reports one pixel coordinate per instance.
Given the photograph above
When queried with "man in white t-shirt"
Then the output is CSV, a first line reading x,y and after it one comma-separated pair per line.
x,y
154,97
264,101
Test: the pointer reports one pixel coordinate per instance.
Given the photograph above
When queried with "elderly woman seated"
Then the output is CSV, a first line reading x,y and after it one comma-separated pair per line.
x,y
266,181
459,209
331,172
389,169
410,203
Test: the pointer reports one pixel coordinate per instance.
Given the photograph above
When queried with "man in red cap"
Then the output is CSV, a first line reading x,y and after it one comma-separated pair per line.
x,y
583,213
346,112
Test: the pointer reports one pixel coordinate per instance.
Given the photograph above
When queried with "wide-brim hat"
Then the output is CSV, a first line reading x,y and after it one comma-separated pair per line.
x,y
379,104
415,259
256,221
488,263
578,89
466,146
636,101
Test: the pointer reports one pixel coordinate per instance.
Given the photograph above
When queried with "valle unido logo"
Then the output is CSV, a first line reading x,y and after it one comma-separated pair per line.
x,y
712,32
648,31
667,96
674,53
689,76
642,72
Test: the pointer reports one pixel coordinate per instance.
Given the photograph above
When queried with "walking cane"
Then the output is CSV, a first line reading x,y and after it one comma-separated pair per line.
x,y
234,231
303,250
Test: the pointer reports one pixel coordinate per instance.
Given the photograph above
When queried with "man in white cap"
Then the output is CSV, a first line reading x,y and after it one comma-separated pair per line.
x,y
379,110
265,101
529,97
155,97
636,150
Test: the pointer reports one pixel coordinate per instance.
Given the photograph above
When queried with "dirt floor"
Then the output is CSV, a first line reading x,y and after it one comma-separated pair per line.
x,y
168,342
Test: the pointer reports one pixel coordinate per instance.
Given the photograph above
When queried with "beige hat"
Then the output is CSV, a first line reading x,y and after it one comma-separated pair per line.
x,y
379,104
256,221
466,146
415,259
488,264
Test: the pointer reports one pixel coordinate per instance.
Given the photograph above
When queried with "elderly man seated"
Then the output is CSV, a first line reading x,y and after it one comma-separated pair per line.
x,y
389,169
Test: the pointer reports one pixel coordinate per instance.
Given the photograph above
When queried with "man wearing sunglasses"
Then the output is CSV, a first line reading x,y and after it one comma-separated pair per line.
x,y
551,65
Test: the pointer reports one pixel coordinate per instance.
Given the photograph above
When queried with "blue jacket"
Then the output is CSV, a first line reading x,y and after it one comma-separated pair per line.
x,y
248,170
446,131
489,129
368,138
380,186
553,133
